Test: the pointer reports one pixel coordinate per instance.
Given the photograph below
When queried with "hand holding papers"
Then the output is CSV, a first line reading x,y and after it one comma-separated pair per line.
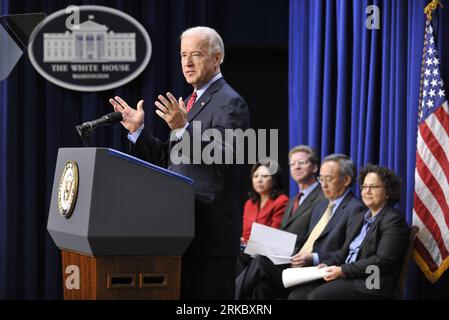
x,y
275,244
294,276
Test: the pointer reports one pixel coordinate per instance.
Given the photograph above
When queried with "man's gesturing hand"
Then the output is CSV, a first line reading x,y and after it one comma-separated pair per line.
x,y
172,111
132,118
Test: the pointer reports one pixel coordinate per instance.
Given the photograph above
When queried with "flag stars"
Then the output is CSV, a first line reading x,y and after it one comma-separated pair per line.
x,y
422,105
432,89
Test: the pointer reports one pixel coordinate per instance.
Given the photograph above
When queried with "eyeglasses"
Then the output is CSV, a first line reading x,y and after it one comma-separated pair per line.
x,y
366,188
299,163
326,179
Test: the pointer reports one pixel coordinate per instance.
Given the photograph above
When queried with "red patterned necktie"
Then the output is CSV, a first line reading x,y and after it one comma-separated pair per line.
x,y
296,204
191,101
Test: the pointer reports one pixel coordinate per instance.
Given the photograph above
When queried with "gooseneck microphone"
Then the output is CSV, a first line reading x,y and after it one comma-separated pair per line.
x,y
106,120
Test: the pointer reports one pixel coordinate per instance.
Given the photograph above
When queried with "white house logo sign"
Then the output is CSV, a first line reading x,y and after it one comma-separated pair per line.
x,y
90,48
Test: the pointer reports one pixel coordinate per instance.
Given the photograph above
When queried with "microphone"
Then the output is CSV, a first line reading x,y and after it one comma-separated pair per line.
x,y
105,120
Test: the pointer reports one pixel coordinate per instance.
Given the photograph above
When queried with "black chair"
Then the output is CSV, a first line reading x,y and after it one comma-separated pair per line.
x,y
407,258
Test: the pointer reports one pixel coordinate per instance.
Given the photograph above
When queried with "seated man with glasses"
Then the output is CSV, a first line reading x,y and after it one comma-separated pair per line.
x,y
325,234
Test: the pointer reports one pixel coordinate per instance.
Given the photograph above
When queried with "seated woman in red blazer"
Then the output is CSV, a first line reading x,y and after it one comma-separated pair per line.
x,y
266,203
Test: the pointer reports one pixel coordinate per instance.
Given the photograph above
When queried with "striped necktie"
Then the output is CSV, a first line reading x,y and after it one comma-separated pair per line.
x,y
319,227
191,101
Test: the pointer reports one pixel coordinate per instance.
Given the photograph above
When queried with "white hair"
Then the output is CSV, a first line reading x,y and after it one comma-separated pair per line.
x,y
213,38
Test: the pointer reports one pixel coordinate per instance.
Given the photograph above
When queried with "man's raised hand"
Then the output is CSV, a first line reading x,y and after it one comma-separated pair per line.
x,y
132,118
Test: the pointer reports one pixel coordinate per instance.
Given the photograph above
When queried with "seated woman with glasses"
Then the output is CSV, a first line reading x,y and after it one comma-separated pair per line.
x,y
266,204
369,264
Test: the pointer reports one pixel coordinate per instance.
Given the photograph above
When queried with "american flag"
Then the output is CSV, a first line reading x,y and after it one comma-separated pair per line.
x,y
431,198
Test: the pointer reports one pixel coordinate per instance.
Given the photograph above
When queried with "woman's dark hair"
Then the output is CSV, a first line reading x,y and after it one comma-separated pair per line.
x,y
390,180
276,178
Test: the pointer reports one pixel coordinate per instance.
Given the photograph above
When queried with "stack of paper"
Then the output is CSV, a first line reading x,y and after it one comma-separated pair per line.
x,y
294,276
275,244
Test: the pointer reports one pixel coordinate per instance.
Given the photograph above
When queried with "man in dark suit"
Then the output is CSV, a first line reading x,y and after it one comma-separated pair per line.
x,y
304,165
325,233
208,266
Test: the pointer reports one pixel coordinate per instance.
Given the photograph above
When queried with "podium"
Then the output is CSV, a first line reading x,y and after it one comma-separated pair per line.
x,y
122,225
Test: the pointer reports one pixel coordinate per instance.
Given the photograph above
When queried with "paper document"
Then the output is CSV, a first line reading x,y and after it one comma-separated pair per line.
x,y
276,259
294,276
275,244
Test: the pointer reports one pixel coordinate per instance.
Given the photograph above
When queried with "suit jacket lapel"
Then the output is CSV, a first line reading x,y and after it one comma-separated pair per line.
x,y
285,218
316,217
337,213
308,202
357,226
204,99
373,227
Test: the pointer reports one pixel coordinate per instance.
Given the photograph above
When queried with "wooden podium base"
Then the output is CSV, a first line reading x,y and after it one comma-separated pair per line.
x,y
120,277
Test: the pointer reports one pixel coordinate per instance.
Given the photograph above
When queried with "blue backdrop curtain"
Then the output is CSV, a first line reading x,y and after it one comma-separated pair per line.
x,y
354,90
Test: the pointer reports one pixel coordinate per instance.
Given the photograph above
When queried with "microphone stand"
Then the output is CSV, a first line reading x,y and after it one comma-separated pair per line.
x,y
86,128
85,135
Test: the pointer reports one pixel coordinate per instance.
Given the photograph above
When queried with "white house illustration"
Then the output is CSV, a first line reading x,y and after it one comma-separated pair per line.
x,y
90,43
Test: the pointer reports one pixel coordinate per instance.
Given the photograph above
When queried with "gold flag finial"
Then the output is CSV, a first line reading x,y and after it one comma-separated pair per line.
x,y
431,7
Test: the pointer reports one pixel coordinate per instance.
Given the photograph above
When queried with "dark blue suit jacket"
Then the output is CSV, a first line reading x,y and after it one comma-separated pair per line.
x,y
217,211
298,222
334,234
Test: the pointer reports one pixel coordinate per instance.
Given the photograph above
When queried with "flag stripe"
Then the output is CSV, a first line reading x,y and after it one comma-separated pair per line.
x,y
422,251
432,184
442,114
427,239
433,143
426,156
431,225
433,133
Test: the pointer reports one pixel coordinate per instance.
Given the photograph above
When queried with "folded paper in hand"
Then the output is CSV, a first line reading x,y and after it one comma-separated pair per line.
x,y
294,276
277,245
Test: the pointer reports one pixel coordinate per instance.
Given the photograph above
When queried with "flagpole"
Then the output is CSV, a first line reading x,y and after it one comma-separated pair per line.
x,y
431,7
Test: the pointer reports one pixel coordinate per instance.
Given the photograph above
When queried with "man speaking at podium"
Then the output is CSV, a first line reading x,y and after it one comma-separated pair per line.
x,y
208,266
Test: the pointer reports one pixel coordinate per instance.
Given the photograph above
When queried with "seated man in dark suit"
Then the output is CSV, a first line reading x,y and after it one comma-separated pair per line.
x,y
376,239
304,165
326,232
